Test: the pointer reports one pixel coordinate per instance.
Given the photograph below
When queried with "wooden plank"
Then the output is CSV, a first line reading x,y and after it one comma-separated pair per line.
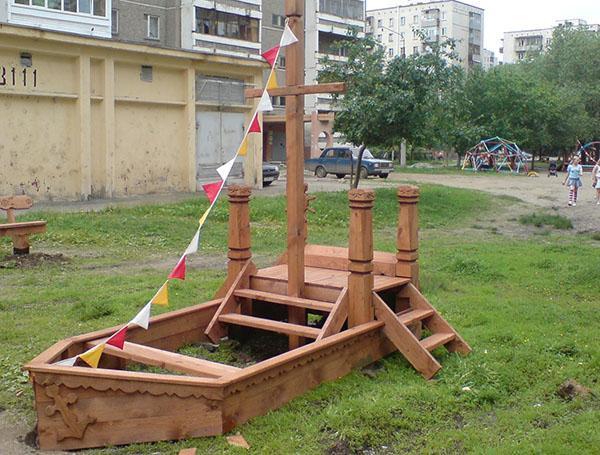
x,y
405,341
331,87
272,326
436,340
410,317
337,317
336,258
312,291
168,360
19,202
229,304
383,283
436,323
24,228
283,299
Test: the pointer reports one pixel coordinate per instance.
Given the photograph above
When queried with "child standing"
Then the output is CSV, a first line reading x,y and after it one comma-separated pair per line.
x,y
574,173
596,181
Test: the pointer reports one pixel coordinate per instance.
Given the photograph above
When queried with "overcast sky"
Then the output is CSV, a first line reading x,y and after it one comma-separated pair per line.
x,y
509,15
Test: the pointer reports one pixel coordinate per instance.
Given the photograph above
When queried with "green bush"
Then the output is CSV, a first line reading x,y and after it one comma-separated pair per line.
x,y
545,219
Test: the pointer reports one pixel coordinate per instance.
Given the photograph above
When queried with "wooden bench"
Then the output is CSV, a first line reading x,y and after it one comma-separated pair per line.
x,y
19,232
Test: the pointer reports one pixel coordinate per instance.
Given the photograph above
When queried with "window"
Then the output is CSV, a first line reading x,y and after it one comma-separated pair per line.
x,y
146,73
114,17
391,21
280,62
390,52
444,31
401,35
26,59
95,7
278,20
379,23
402,20
278,100
390,37
85,6
380,38
402,52
416,19
416,50
414,33
70,5
443,15
100,8
153,27
218,23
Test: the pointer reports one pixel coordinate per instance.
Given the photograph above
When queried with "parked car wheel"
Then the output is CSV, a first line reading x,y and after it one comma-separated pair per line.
x,y
383,176
364,172
340,176
321,172
267,183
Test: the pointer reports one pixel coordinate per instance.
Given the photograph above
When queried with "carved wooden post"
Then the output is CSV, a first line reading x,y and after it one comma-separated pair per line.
x,y
239,230
408,233
360,257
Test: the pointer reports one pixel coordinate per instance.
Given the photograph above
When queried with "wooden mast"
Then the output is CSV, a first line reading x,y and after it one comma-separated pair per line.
x,y
294,132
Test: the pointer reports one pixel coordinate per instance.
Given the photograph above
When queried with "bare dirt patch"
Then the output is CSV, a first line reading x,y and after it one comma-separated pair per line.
x,y
571,389
29,261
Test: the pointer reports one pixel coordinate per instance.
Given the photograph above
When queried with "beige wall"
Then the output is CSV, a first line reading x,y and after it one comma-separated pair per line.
x,y
91,127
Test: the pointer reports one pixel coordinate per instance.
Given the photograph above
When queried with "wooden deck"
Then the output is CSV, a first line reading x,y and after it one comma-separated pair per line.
x,y
330,277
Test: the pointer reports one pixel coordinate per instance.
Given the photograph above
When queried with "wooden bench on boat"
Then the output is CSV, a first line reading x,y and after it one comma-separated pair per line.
x,y
19,231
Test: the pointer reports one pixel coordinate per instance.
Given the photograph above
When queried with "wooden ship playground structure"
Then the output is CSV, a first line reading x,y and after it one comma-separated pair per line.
x,y
369,302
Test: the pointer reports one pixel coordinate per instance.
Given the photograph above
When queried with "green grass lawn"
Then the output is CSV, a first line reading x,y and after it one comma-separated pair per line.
x,y
528,307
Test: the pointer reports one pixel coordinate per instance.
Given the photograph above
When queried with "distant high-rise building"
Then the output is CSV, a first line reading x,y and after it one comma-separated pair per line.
x,y
521,44
407,29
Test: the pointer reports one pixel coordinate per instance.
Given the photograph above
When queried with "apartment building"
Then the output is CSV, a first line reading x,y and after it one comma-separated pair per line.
x,y
519,45
399,28
488,59
326,22
83,17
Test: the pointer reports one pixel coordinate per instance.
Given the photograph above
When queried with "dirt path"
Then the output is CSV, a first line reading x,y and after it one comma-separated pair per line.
x,y
540,192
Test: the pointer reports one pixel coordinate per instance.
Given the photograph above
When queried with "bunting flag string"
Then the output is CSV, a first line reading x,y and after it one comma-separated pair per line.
x,y
272,81
255,125
118,338
271,55
142,319
212,190
178,272
162,295
288,36
92,356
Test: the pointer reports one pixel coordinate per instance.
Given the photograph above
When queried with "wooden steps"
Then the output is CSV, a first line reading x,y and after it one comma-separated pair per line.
x,y
404,330
412,316
284,299
272,326
436,340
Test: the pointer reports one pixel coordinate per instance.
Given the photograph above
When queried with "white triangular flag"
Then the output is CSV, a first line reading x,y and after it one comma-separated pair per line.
x,y
226,169
143,317
264,104
193,246
288,37
67,362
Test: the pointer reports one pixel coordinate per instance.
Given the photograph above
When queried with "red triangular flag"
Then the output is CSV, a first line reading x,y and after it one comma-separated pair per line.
x,y
179,271
271,55
255,126
118,339
212,190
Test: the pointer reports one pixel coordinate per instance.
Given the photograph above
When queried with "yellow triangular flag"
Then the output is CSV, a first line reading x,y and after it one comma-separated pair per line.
x,y
272,82
243,148
162,296
203,217
92,357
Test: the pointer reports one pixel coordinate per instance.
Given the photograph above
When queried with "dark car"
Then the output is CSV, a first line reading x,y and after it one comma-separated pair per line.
x,y
270,173
342,161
